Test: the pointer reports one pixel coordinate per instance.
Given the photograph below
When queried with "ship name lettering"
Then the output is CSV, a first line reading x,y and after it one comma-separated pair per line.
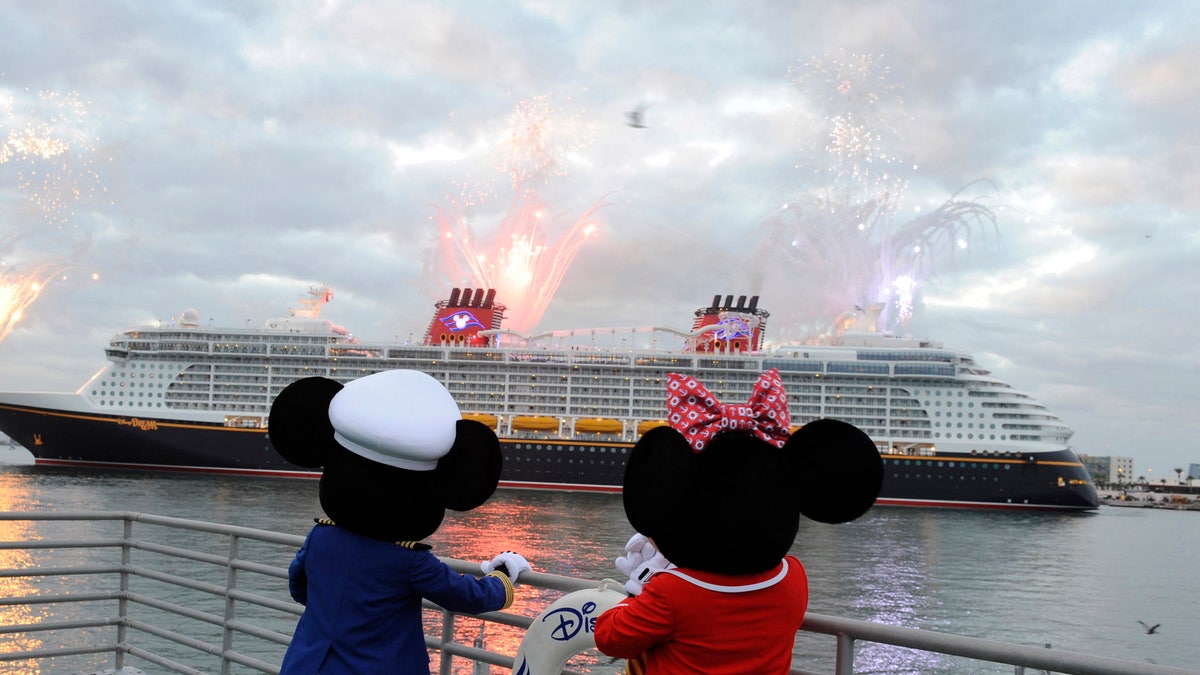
x,y
144,425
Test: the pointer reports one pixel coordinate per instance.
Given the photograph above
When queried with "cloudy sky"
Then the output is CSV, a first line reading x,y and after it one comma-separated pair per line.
x,y
224,156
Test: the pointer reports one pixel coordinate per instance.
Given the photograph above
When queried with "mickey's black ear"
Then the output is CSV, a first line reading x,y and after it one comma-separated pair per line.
x,y
660,472
299,427
467,476
838,468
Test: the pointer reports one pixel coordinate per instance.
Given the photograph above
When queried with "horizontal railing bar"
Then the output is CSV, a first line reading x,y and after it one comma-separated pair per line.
x,y
287,606
60,543
61,571
211,619
176,580
258,632
176,552
250,661
167,634
1060,661
38,654
58,625
161,661
55,599
66,515
293,540
180,610
259,568
505,618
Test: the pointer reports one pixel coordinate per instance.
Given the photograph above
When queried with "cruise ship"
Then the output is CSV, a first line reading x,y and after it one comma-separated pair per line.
x,y
567,405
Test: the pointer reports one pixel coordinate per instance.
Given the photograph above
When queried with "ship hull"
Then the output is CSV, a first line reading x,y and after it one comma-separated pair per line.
x,y
1041,481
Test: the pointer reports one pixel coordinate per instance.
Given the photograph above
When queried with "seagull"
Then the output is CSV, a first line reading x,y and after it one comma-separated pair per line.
x,y
1149,629
634,117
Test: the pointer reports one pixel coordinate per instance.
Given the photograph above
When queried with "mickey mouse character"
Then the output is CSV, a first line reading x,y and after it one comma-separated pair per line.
x,y
395,454
716,498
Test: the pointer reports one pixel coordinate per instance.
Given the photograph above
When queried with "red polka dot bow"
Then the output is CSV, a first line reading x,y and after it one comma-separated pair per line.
x,y
698,415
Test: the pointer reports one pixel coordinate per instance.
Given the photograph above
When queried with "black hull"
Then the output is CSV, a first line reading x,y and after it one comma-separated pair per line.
x,y
1047,481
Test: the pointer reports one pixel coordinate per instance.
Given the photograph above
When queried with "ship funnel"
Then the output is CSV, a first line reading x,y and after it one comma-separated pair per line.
x,y
454,297
729,301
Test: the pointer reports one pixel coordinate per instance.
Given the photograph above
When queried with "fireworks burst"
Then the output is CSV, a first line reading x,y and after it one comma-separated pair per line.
x,y
839,242
46,146
50,151
853,93
524,270
17,293
520,262
540,140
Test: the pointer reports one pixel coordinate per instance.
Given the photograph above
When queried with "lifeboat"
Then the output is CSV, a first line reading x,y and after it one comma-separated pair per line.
x,y
647,425
598,425
794,428
534,423
490,420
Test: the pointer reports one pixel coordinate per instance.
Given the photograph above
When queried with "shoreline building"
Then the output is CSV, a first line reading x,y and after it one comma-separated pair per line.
x,y
1112,470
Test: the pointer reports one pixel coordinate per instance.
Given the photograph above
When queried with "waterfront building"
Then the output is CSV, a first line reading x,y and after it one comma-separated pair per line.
x,y
1111,470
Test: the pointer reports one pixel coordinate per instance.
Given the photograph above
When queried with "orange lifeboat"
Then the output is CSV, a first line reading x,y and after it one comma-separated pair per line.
x,y
490,420
534,423
598,425
647,425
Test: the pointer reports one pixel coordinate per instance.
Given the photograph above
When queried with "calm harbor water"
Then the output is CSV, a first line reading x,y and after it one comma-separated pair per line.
x,y
1078,582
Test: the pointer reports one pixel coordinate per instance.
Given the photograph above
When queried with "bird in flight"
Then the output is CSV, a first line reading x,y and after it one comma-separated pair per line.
x,y
634,117
1149,629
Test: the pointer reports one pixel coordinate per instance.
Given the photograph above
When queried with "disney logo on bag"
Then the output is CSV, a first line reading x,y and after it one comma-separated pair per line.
x,y
571,621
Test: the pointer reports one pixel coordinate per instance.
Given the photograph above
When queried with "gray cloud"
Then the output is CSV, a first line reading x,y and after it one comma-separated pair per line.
x,y
249,150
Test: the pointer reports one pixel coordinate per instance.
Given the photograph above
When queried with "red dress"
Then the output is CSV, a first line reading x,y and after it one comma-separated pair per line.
x,y
687,621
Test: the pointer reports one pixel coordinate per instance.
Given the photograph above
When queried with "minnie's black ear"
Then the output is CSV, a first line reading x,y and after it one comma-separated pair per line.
x,y
467,475
298,427
839,470
658,477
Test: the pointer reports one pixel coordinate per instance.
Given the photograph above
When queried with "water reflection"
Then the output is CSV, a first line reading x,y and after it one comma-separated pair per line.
x,y
1077,581
13,495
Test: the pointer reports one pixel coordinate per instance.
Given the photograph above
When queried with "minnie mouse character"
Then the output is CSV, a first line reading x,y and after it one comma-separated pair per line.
x,y
395,454
716,498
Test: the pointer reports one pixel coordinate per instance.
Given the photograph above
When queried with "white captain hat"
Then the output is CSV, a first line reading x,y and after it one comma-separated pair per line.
x,y
401,418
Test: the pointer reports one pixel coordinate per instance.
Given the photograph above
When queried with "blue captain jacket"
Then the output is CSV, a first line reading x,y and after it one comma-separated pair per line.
x,y
362,599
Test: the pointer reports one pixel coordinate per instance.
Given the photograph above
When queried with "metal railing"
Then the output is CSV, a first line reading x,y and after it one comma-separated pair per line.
x,y
195,597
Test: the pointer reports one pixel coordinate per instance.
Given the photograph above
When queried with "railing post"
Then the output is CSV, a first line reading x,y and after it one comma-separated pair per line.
x,y
446,665
123,601
230,609
845,654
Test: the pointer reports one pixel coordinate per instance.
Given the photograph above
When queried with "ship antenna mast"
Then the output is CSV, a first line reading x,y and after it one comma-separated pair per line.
x,y
317,297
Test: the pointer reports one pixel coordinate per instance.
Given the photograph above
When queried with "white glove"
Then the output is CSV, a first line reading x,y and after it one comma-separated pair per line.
x,y
510,563
641,561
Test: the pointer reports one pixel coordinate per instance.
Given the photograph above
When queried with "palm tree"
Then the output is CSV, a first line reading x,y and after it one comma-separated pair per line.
x,y
1179,474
